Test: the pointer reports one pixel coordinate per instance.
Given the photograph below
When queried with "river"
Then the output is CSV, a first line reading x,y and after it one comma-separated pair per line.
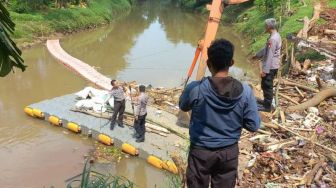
x,y
154,44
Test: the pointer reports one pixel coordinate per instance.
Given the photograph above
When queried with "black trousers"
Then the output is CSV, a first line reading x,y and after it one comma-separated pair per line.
x,y
139,126
118,110
267,87
216,166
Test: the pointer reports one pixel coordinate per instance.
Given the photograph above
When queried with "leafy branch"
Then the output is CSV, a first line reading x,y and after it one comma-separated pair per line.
x,y
10,54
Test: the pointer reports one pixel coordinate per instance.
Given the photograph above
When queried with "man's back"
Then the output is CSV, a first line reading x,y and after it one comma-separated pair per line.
x,y
221,107
142,104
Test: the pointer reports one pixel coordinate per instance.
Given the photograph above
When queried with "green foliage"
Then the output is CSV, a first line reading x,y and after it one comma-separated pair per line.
x,y
92,179
310,54
249,17
332,3
42,23
25,6
251,22
173,181
10,55
268,6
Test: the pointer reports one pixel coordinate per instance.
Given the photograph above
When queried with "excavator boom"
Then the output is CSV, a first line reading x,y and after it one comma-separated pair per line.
x,y
216,9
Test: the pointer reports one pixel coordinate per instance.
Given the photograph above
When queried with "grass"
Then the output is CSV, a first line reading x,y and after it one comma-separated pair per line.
x,y
310,54
34,25
249,19
252,25
92,179
332,3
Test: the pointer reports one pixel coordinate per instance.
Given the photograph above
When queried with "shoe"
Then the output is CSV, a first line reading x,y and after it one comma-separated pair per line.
x,y
262,108
139,140
121,125
260,101
111,128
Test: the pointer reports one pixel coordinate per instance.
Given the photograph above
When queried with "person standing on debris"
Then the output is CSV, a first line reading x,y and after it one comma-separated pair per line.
x,y
140,115
118,93
270,56
221,106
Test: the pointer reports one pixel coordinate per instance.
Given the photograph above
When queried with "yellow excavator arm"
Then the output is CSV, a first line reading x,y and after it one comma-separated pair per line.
x,y
216,9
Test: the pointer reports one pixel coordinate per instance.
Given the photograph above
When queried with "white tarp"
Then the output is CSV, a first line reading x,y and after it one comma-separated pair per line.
x,y
96,101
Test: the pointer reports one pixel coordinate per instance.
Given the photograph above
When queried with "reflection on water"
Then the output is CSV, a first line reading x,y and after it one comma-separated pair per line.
x,y
154,44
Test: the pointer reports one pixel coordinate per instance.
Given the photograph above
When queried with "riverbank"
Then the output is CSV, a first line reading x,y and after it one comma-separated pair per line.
x,y
248,18
35,27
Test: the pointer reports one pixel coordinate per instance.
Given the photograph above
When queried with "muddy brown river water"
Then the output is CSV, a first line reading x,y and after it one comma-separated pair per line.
x,y
154,44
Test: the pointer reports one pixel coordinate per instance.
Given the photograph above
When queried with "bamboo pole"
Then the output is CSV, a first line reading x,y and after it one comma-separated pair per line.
x,y
288,98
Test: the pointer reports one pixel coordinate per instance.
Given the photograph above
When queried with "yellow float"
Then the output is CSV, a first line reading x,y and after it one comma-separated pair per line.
x,y
29,111
155,161
105,139
73,127
38,113
127,148
55,120
170,166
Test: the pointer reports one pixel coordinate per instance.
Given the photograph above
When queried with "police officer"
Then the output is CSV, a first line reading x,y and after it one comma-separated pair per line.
x,y
270,56
118,93
140,115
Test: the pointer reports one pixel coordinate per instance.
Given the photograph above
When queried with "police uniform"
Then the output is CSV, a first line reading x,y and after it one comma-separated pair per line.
x,y
119,106
270,56
141,113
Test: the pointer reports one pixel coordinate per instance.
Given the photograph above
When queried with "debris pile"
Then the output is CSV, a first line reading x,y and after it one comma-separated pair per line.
x,y
292,156
298,145
161,98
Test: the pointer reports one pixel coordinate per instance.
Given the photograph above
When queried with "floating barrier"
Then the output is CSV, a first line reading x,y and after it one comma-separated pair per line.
x,y
29,111
96,128
105,139
170,166
73,127
156,162
76,65
38,113
55,120
128,148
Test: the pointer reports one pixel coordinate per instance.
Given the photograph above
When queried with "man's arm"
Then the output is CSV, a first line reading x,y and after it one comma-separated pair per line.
x,y
271,47
186,100
251,119
260,54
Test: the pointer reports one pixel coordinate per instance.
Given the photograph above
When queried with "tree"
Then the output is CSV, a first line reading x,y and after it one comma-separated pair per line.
x,y
10,54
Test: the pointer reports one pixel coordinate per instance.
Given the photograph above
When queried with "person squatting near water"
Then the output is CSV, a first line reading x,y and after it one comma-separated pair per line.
x,y
270,56
221,106
140,115
118,93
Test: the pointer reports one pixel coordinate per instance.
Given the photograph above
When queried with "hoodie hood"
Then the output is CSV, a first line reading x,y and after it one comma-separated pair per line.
x,y
222,93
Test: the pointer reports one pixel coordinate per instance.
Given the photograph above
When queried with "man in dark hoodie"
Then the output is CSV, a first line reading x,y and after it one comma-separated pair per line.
x,y
221,106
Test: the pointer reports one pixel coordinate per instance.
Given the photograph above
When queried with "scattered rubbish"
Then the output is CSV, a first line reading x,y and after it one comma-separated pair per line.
x,y
273,185
295,116
158,113
301,142
252,161
300,151
319,130
313,110
311,120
